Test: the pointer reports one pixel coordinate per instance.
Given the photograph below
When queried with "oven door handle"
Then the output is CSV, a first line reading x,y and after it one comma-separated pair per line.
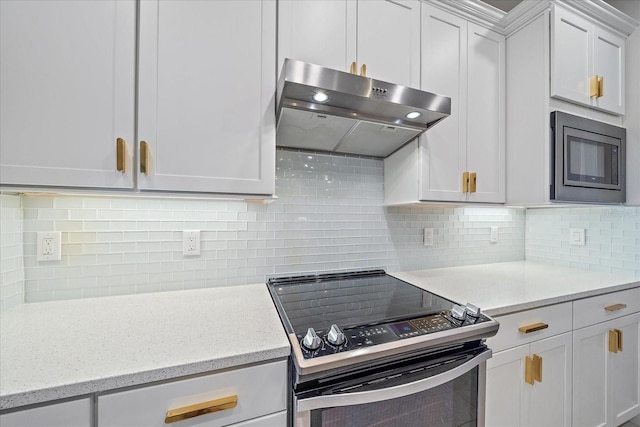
x,y
357,398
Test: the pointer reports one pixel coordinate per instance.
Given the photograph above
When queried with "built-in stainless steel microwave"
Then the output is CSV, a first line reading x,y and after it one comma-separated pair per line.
x,y
587,160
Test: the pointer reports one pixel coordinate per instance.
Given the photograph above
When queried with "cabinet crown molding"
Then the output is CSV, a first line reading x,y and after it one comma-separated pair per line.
x,y
495,19
597,11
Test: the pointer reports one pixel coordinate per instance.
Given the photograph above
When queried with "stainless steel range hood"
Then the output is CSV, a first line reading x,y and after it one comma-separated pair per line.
x,y
361,115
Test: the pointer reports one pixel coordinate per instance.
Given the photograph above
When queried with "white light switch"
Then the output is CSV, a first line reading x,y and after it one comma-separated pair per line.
x,y
576,236
494,235
428,236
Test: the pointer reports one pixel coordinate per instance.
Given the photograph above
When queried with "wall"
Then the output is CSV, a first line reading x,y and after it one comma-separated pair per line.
x,y
328,216
11,259
612,238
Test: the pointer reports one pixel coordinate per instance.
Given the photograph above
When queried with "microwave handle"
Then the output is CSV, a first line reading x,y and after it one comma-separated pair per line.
x,y
348,399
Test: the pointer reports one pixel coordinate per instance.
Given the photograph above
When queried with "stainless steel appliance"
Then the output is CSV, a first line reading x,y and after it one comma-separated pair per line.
x,y
369,349
323,109
588,160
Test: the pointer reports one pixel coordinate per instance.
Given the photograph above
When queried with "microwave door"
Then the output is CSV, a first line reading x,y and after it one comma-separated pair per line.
x,y
591,160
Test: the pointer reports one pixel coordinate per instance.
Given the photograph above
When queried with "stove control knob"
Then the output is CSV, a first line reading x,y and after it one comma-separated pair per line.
x,y
335,336
311,341
472,310
458,312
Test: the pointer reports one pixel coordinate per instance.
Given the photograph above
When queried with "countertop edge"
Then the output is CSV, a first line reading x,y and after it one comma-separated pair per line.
x,y
145,378
499,311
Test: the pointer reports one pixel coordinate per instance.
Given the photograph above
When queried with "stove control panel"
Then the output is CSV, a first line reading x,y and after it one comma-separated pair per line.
x,y
336,340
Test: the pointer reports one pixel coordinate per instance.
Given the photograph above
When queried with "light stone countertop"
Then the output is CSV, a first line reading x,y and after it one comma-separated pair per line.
x,y
56,350
508,287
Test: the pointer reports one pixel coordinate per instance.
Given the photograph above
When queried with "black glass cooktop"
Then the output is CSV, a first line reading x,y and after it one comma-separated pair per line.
x,y
351,300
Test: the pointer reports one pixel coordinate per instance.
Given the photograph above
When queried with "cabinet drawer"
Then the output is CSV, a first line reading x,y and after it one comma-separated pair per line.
x,y
590,311
260,390
557,317
76,413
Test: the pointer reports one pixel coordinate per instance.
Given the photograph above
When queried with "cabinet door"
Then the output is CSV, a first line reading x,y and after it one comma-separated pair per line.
x,y
207,83
444,70
76,413
549,401
388,40
605,382
485,114
67,76
571,58
319,32
608,62
506,393
625,373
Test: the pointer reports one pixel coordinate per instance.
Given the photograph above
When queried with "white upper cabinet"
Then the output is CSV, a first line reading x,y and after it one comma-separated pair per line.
x,y
384,36
587,62
68,93
462,158
206,102
206,83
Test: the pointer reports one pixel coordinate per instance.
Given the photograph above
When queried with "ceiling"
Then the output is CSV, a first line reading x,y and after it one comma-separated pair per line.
x,y
505,5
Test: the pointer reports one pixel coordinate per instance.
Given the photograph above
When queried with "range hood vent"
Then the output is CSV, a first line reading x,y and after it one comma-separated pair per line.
x,y
361,115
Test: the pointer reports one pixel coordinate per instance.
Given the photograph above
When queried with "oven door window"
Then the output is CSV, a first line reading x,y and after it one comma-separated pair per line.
x,y
454,403
591,160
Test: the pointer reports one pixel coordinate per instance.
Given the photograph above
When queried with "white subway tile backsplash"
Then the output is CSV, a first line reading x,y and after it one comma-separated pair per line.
x,y
328,216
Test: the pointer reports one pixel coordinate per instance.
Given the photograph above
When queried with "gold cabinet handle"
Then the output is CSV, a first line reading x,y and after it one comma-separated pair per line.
x,y
615,340
353,68
537,365
615,307
198,409
528,370
472,182
533,369
593,86
144,157
363,70
465,182
527,329
600,86
121,157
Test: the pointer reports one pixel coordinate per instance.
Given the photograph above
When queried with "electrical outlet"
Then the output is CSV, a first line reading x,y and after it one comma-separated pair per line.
x,y
191,242
428,236
494,235
49,246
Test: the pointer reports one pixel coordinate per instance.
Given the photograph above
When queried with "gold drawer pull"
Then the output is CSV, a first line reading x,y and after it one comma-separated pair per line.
x,y
533,327
615,307
363,70
465,182
121,150
353,67
203,408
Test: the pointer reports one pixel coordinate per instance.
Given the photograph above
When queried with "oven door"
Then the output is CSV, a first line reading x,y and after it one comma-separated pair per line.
x,y
438,393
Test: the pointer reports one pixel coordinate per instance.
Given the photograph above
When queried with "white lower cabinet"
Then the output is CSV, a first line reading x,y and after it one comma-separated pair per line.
x,y
605,371
260,393
530,384
76,413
